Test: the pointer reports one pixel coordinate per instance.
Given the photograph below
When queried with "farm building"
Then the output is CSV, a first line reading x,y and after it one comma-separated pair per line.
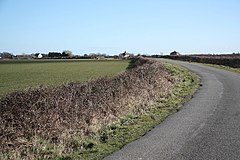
x,y
40,56
125,55
174,53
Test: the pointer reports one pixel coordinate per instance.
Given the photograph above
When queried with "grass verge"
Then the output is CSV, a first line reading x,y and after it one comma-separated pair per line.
x,y
236,70
130,127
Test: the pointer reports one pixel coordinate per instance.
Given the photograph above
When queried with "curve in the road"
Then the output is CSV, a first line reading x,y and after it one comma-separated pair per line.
x,y
207,127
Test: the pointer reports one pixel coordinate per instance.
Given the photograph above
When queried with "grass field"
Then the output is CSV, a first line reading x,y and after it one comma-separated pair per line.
x,y
21,74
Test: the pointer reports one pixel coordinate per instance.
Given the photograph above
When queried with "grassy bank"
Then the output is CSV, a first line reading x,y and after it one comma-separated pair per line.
x,y
236,70
20,74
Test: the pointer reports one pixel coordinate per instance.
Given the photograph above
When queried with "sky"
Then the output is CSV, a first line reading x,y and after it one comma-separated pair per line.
x,y
115,26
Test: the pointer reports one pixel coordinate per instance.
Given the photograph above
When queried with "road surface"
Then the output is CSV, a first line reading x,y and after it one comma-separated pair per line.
x,y
206,128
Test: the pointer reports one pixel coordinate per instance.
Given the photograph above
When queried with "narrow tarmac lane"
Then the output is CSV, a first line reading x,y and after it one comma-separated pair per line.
x,y
206,128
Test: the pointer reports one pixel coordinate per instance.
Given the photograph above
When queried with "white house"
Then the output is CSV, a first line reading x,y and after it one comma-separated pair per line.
x,y
40,56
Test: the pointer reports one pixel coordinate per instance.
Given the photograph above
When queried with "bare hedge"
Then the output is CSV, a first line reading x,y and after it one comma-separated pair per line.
x,y
53,113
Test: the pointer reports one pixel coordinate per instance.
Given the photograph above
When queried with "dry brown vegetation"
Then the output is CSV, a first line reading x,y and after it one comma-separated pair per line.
x,y
57,113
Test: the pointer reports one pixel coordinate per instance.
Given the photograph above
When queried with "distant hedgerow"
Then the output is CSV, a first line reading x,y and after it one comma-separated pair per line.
x,y
231,60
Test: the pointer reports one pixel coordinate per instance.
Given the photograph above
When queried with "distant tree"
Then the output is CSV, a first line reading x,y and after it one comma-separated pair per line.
x,y
6,55
101,54
54,55
36,54
44,55
93,55
67,54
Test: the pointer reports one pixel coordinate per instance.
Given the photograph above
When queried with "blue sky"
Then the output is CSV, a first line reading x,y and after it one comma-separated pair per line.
x,y
113,26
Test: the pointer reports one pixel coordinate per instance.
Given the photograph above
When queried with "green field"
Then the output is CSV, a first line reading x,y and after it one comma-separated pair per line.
x,y
21,74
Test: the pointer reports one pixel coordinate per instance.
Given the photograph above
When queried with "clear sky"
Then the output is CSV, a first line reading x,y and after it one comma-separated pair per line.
x,y
113,26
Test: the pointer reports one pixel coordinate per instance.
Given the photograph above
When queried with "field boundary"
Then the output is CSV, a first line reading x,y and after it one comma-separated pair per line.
x,y
228,68
236,70
226,60
95,140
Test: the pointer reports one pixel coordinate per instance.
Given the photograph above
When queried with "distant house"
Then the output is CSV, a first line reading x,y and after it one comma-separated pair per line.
x,y
40,56
175,53
100,57
125,55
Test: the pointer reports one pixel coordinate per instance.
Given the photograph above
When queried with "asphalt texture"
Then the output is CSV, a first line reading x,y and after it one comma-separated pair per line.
x,y
206,128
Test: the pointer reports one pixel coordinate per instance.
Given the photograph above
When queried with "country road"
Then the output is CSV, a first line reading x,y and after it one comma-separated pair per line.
x,y
206,128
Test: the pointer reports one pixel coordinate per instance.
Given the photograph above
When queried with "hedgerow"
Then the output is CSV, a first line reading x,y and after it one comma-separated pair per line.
x,y
226,60
57,113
